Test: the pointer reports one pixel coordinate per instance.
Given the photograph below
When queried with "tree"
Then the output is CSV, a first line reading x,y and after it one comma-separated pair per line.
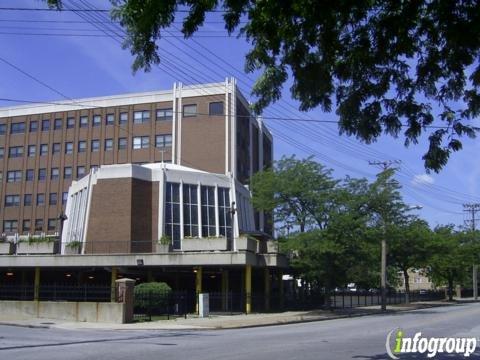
x,y
408,247
299,192
451,257
385,66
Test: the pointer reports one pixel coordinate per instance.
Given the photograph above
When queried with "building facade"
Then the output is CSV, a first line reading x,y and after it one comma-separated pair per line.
x,y
44,147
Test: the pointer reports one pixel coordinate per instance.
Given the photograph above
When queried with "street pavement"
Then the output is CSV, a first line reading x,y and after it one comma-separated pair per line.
x,y
348,338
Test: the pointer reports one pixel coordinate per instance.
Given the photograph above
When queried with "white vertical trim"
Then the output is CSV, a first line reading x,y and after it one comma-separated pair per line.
x,y
199,209
180,117
161,204
250,145
87,208
217,215
174,122
233,198
180,197
227,119
233,147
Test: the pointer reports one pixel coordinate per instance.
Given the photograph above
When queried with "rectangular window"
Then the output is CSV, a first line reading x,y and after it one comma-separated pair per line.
x,y
32,150
10,226
80,171
15,151
67,172
43,149
215,108
122,143
55,174
189,110
83,121
97,120
2,152
56,148
52,199
141,142
123,118
3,129
69,148
163,141
108,144
40,199
14,176
45,125
225,216
190,210
95,146
33,126
42,174
57,125
12,200
26,226
208,211
38,224
110,119
172,213
164,114
82,146
140,117
64,197
52,224
17,128
27,200
70,123
29,175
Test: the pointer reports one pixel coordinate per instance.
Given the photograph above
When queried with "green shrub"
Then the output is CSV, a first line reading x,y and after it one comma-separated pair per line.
x,y
153,296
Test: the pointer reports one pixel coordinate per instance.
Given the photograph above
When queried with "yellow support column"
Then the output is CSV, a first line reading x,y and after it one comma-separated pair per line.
x,y
198,285
36,284
113,298
225,287
248,289
266,275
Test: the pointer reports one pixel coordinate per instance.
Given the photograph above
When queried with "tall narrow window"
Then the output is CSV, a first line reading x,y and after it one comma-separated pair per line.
x,y
225,219
172,213
208,211
190,210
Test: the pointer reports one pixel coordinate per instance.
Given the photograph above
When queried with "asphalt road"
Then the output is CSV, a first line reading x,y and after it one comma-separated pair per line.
x,y
354,338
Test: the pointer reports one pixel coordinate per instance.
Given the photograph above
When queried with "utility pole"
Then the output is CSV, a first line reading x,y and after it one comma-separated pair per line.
x,y
472,210
383,165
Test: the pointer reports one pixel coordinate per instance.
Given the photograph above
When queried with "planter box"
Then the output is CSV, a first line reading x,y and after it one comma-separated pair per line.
x,y
35,248
246,244
6,248
72,250
204,244
164,248
272,247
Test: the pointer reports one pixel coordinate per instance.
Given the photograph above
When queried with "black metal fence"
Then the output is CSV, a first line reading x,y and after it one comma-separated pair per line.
x,y
56,292
168,303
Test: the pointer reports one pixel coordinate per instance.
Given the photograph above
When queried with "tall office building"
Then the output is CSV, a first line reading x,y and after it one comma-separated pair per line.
x,y
44,147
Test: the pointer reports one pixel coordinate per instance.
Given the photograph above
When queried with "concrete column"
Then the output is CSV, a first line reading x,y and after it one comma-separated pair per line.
x,y
36,284
266,275
225,290
198,285
280,288
248,289
113,283
126,295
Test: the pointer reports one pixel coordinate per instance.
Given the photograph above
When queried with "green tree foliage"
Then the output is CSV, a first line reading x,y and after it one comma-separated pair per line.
x,y
393,67
152,295
451,257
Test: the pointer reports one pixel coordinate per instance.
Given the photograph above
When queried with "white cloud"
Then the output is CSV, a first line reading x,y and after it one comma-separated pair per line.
x,y
422,179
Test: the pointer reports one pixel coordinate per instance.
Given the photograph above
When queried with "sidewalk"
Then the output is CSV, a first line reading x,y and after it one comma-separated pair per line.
x,y
227,321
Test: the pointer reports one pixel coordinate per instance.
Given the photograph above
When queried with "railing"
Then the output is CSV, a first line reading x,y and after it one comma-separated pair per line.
x,y
168,303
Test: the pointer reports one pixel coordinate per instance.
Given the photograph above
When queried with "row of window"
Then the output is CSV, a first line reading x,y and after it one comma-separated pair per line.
x,y
17,175
11,226
139,142
14,200
190,206
139,117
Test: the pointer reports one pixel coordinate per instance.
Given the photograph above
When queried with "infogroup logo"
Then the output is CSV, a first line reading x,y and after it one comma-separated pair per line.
x,y
429,346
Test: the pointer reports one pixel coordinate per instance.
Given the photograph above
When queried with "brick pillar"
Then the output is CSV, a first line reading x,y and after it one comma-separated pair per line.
x,y
125,295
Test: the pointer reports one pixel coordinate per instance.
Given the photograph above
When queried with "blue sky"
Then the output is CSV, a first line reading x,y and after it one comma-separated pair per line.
x,y
86,66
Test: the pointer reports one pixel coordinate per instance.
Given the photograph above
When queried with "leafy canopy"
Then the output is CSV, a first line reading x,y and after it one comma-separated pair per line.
x,y
384,66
